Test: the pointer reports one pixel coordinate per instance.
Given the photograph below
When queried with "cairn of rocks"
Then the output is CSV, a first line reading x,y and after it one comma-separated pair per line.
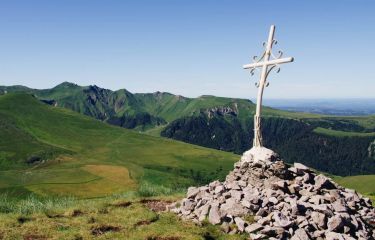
x,y
269,200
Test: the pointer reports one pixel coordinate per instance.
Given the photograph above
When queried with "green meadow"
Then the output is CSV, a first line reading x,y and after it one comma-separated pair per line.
x,y
64,175
82,157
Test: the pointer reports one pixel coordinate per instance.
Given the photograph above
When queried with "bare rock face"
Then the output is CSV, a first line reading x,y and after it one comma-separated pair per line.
x,y
269,200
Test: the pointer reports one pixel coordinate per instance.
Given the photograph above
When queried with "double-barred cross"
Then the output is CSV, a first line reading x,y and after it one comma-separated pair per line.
x,y
266,64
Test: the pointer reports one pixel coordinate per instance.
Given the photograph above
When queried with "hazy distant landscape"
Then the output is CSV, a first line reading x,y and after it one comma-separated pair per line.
x,y
342,107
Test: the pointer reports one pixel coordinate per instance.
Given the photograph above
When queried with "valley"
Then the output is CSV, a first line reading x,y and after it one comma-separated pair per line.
x,y
338,145
65,174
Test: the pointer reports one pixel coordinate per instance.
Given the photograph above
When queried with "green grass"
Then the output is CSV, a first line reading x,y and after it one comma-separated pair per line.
x,y
123,215
336,133
362,183
74,141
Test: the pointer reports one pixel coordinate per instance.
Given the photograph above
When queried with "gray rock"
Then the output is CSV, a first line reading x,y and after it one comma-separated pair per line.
x,y
282,185
339,206
294,188
257,236
273,200
281,220
240,223
319,219
246,203
300,234
214,215
334,236
203,213
253,228
189,205
236,195
225,227
242,183
261,212
265,220
232,185
192,192
316,199
322,181
231,207
300,168
335,223
219,189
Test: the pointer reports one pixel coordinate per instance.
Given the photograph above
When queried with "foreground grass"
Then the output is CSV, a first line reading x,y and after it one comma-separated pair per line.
x,y
124,216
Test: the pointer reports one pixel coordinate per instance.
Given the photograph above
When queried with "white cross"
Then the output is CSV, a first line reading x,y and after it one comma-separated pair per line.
x,y
267,65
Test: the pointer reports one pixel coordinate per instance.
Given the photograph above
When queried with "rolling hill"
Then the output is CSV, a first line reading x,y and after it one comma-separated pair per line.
x,y
54,151
48,154
339,145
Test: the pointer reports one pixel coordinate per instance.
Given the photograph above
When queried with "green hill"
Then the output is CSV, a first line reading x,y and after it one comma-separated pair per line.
x,y
55,151
335,144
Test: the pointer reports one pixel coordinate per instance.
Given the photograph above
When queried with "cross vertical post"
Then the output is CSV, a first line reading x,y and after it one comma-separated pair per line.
x,y
266,66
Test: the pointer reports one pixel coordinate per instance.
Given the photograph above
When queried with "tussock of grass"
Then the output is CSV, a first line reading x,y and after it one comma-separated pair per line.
x,y
33,204
147,189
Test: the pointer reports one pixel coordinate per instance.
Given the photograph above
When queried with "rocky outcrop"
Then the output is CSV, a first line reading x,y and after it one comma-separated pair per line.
x,y
269,200
221,111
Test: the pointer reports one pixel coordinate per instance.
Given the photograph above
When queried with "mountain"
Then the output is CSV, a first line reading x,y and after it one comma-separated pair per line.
x,y
334,144
53,152
50,150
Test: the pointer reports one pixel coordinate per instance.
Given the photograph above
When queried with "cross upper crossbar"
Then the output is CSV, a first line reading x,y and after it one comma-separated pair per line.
x,y
268,63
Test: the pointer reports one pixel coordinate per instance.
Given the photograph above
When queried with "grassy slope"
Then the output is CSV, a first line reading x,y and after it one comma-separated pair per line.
x,y
336,133
95,159
362,183
147,158
165,105
89,219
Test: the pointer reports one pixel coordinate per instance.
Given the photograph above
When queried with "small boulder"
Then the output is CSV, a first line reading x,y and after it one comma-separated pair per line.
x,y
192,192
300,234
253,228
281,220
335,223
240,224
214,215
300,168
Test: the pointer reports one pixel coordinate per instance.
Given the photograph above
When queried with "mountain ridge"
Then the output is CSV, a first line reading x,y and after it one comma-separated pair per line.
x,y
320,141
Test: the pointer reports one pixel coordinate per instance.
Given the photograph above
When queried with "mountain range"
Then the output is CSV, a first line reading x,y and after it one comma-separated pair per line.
x,y
335,144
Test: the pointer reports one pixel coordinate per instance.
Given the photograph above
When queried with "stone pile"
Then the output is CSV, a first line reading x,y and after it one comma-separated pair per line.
x,y
269,200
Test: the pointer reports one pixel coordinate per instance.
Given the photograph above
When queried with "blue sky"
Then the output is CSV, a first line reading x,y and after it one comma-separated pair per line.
x,y
189,47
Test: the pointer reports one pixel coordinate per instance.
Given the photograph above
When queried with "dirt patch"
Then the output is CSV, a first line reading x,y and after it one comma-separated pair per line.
x,y
121,204
99,230
143,222
74,213
54,215
156,205
146,222
34,237
23,219
163,238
